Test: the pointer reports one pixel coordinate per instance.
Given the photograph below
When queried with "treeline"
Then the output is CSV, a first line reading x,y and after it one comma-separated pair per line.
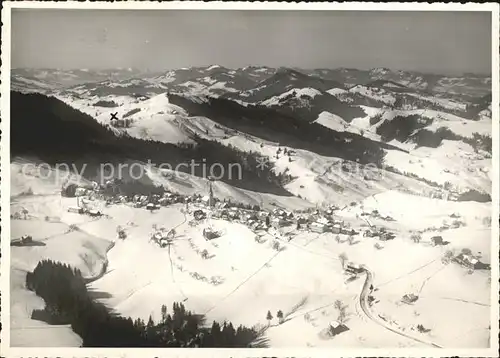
x,y
67,301
401,127
288,130
309,111
427,138
56,133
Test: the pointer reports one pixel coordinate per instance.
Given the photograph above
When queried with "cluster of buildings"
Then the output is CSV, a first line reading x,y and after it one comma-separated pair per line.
x,y
379,232
470,261
22,241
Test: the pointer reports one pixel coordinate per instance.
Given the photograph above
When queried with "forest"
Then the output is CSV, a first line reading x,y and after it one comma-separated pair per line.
x,y
68,301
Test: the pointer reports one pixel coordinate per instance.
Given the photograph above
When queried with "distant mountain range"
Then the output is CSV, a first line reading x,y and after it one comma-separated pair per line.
x,y
467,85
433,130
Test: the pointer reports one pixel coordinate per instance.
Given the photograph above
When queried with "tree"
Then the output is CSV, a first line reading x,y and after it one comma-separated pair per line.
x,y
204,254
163,313
416,237
342,317
448,256
350,239
337,238
343,259
466,251
269,317
279,314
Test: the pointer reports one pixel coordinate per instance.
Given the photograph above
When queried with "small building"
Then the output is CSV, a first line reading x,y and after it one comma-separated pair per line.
x,y
410,298
385,236
75,209
222,205
80,191
205,200
470,262
437,240
277,222
336,228
94,212
69,190
353,268
150,206
262,215
318,227
199,215
335,328
164,201
300,220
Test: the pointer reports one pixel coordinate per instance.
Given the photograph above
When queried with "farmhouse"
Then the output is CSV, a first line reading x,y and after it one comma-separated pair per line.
x,y
262,215
199,215
336,228
277,222
80,191
69,190
353,268
437,240
336,328
409,298
318,227
75,209
470,262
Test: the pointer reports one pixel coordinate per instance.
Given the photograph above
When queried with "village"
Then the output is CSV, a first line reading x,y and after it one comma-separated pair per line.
x,y
278,222
210,230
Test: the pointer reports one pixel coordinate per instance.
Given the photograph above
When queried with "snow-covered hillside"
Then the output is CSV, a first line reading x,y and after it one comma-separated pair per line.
x,y
430,186
245,269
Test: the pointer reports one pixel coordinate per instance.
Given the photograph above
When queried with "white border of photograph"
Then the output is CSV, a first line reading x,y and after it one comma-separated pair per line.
x,y
256,352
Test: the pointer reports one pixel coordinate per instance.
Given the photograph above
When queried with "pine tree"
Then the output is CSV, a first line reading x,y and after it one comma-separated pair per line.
x,y
269,317
279,314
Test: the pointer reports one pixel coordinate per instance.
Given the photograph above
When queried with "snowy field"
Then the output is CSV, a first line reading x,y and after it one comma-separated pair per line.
x,y
244,278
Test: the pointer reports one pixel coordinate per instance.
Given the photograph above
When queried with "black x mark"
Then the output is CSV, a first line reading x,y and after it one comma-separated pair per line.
x,y
113,116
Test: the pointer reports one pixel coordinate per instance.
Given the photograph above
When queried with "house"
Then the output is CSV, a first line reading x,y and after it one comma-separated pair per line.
x,y
164,201
385,236
199,215
437,240
210,234
347,231
94,212
409,298
80,191
24,240
336,228
233,214
353,268
205,200
335,328
262,215
277,222
150,206
75,209
248,217
222,205
470,262
318,227
300,220
69,190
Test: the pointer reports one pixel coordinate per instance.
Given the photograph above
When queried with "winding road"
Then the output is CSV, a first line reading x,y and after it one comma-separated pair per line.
x,y
363,301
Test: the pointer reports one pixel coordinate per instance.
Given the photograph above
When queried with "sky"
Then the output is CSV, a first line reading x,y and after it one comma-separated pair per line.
x,y
435,42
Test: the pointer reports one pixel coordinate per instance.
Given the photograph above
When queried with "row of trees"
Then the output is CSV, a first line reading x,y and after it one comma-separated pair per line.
x,y
67,301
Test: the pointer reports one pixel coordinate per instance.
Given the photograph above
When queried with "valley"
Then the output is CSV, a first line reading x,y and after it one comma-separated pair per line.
x,y
377,186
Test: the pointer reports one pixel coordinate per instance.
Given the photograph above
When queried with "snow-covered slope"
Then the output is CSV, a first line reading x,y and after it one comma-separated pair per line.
x,y
304,278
